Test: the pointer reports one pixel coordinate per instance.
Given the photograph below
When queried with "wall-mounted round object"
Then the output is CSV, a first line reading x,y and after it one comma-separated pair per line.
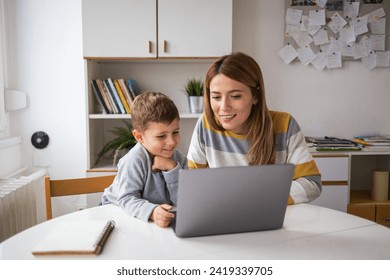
x,y
40,140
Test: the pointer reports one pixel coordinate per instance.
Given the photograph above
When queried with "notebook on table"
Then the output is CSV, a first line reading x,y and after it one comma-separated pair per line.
x,y
232,199
75,237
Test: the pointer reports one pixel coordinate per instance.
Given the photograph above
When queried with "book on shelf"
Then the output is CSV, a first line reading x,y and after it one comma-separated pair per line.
x,y
103,88
109,94
115,96
133,87
122,96
75,237
374,140
328,142
99,97
126,91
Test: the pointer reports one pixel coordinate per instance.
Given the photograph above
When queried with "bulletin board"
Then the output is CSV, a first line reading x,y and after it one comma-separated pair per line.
x,y
326,33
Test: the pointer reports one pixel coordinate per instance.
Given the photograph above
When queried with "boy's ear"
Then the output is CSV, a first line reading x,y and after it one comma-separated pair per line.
x,y
137,135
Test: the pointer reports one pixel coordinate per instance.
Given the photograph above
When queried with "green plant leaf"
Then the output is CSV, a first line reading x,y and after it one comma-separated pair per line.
x,y
124,140
194,87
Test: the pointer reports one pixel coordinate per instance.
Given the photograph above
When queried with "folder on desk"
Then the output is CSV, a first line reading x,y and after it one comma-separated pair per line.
x,y
75,238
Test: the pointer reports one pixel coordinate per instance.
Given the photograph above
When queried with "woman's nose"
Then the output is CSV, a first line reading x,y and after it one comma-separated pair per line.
x,y
225,104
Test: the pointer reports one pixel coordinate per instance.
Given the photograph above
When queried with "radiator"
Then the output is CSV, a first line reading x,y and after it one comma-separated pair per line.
x,y
19,193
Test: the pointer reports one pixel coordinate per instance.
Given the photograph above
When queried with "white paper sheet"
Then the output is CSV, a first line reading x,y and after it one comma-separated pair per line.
x,y
317,17
319,62
375,15
306,55
347,34
351,9
360,24
383,59
293,16
334,60
321,37
288,54
378,26
370,61
337,22
378,42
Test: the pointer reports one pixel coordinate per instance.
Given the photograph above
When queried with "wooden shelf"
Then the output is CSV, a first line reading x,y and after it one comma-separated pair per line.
x,y
364,197
183,115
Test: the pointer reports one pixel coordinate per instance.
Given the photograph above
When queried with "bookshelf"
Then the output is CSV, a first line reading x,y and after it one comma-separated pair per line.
x,y
159,44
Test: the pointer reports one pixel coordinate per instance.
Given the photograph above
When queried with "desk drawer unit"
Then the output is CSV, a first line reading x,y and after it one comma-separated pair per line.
x,y
366,211
383,214
335,187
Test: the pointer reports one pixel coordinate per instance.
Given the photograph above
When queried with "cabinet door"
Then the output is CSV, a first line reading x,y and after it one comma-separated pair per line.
x,y
194,28
335,188
120,28
334,197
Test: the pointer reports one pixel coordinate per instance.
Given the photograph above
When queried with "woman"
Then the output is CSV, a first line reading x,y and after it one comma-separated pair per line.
x,y
238,129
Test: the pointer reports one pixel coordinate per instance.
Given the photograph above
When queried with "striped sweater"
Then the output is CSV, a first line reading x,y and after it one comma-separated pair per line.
x,y
212,148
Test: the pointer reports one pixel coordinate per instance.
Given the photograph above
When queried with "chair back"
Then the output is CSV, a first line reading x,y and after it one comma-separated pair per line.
x,y
77,186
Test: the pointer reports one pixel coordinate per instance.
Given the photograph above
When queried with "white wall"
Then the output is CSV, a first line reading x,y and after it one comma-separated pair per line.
x,y
45,46
46,63
340,102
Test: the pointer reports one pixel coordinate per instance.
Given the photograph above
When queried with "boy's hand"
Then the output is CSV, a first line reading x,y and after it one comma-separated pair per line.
x,y
161,215
163,164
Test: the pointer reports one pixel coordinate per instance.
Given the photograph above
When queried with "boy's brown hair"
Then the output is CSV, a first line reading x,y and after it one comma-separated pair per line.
x,y
152,107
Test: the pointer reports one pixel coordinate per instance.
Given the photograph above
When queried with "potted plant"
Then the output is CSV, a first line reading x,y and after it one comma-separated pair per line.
x,y
118,146
194,90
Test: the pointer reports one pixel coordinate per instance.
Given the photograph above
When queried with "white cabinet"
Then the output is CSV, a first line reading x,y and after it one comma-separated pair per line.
x,y
335,186
194,28
151,29
120,28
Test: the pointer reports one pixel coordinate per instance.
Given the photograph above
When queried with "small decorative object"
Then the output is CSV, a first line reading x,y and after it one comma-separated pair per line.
x,y
40,140
194,90
120,145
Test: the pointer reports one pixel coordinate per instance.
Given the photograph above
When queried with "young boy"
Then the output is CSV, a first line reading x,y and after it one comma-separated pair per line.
x,y
147,179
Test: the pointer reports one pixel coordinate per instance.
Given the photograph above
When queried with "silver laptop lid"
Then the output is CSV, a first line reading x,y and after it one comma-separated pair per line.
x,y
232,199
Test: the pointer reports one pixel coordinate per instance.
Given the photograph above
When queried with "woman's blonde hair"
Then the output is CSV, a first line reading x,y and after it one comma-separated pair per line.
x,y
244,69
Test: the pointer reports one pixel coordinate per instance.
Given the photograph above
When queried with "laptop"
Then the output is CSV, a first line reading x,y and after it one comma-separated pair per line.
x,y
235,199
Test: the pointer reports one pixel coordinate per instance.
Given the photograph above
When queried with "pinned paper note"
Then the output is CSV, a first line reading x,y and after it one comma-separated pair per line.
x,y
370,61
337,22
319,62
378,26
325,33
306,55
321,3
293,16
321,37
351,9
360,24
383,59
288,54
378,42
334,60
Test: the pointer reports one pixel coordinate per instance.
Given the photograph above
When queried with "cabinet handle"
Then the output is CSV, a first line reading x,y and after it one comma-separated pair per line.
x,y
165,46
150,46
385,219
